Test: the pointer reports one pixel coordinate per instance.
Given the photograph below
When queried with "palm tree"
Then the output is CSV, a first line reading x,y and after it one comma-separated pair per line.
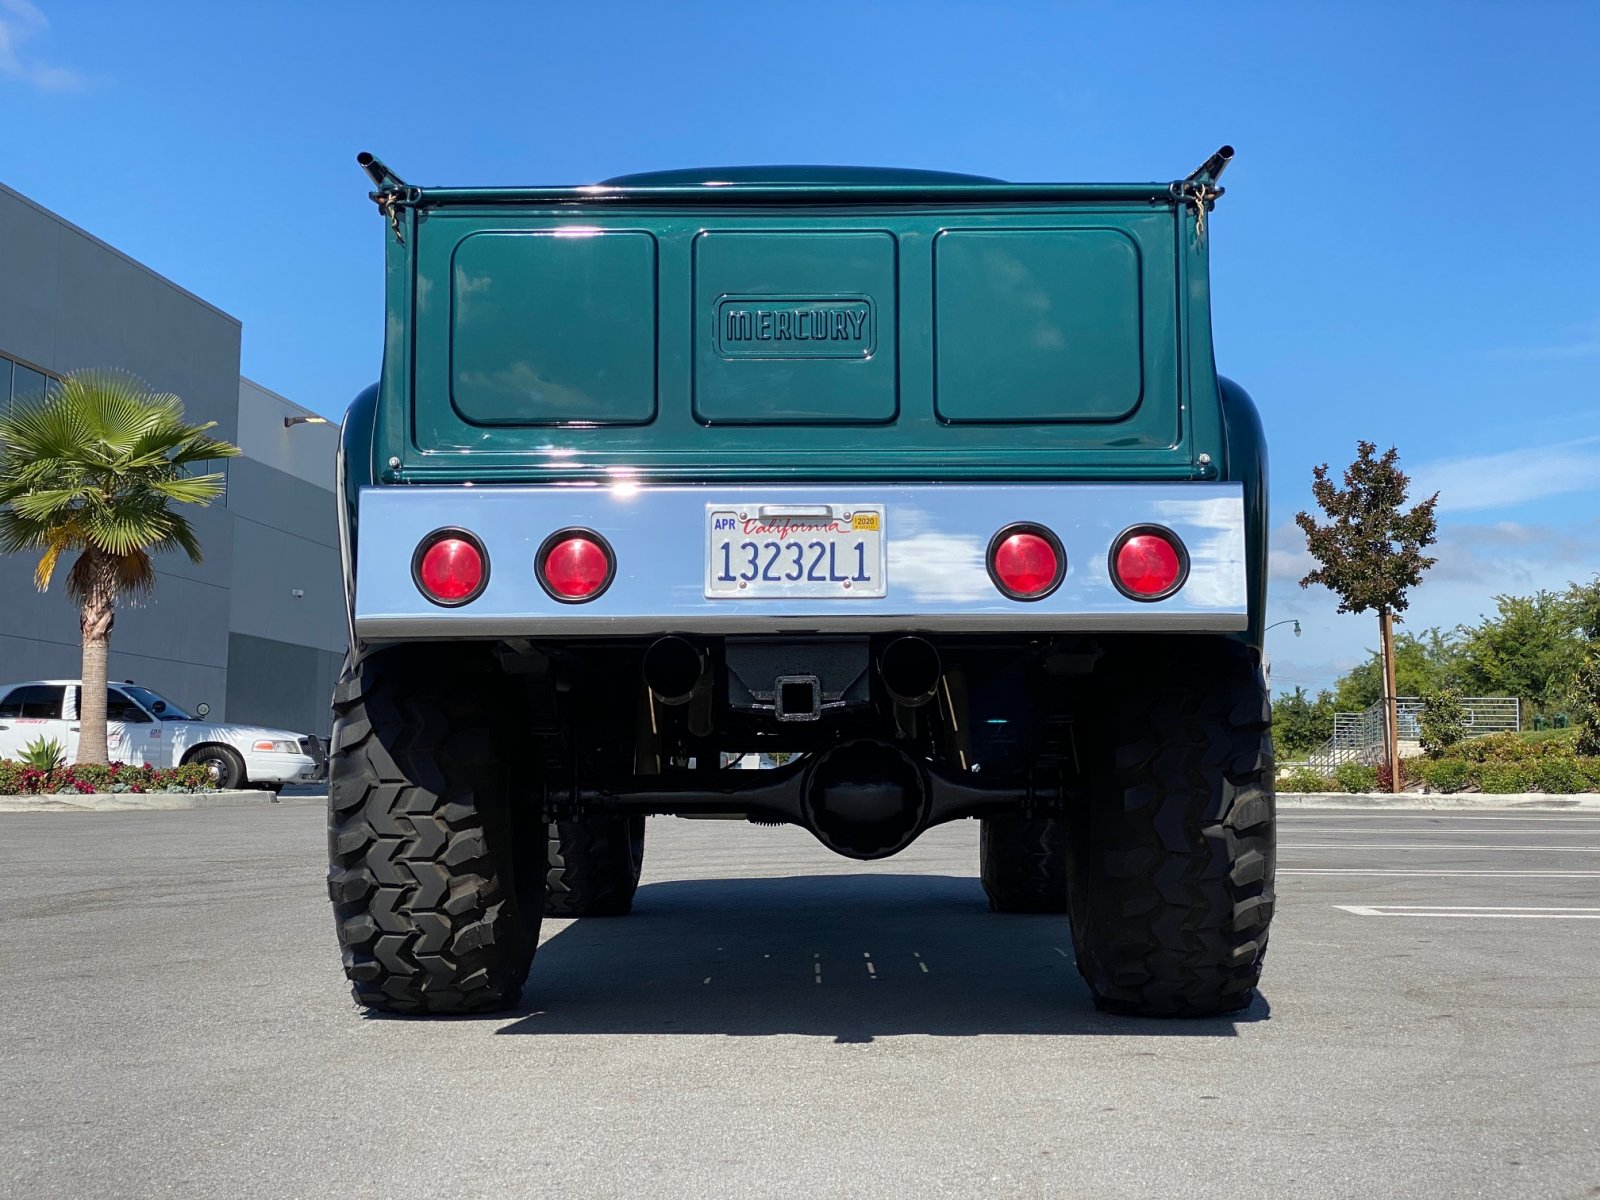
x,y
93,469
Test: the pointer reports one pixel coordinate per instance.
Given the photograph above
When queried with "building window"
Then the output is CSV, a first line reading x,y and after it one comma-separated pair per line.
x,y
21,381
213,466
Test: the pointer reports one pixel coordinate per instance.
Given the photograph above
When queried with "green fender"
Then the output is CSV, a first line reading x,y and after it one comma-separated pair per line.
x,y
1246,450
354,471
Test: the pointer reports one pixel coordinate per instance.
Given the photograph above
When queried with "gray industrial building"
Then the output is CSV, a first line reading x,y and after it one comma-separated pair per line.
x,y
256,630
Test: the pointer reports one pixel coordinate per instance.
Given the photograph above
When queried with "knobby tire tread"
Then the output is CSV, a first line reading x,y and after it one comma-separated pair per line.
x,y
423,866
1174,853
1023,864
593,866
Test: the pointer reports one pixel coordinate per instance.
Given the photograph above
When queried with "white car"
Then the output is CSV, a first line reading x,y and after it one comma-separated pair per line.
x,y
143,727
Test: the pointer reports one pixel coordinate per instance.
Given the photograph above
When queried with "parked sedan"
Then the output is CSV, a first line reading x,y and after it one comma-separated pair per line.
x,y
144,727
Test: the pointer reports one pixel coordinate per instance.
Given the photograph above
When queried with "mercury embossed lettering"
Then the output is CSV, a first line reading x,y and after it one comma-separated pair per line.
x,y
795,327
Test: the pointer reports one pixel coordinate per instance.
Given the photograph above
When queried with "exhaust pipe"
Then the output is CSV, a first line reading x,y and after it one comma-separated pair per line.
x,y
673,669
910,668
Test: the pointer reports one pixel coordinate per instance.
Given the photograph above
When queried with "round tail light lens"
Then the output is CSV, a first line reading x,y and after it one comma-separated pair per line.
x,y
1026,562
575,565
1149,563
450,567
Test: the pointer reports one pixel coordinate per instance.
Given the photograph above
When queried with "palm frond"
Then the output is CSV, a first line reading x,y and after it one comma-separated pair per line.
x,y
192,489
59,542
19,533
96,466
45,504
136,575
199,447
181,536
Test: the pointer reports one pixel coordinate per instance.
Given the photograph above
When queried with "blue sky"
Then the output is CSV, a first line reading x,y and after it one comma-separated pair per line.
x,y
1407,251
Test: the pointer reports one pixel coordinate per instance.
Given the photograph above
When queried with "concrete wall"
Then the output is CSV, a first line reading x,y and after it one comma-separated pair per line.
x,y
228,631
286,625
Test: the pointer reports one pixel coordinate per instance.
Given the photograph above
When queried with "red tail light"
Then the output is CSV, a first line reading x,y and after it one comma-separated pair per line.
x,y
450,567
1149,563
1026,562
575,565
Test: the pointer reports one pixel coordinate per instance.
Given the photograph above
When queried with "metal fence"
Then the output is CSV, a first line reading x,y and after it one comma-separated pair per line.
x,y
1358,737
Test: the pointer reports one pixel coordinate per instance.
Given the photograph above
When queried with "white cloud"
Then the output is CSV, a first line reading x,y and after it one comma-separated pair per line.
x,y
1510,477
1288,560
1476,563
21,22
1508,556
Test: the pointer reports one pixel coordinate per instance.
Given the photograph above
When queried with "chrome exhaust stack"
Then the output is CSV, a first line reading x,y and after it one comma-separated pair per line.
x,y
673,669
910,668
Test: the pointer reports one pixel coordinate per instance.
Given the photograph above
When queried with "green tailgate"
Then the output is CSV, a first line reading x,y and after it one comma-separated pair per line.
x,y
872,325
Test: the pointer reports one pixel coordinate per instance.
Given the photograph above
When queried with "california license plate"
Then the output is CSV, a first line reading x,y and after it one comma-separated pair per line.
x,y
795,552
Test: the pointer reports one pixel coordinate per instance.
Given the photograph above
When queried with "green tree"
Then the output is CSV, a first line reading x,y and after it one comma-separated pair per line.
x,y
1300,724
93,470
1584,695
1530,649
1585,700
1584,599
1370,550
1444,720
1422,664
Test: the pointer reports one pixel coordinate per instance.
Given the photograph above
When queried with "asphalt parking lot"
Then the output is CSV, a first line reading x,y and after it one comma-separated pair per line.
x,y
774,1020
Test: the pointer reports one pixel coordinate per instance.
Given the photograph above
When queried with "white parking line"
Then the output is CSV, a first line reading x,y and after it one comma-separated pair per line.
x,y
1348,815
1429,846
1440,874
1433,831
1491,912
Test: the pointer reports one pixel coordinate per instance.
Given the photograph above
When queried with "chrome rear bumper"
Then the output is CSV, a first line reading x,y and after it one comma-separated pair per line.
x,y
937,536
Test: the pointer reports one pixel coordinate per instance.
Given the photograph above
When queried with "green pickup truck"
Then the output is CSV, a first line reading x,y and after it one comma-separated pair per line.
x,y
921,484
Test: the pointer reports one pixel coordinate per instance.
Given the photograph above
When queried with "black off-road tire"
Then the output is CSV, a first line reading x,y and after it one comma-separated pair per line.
x,y
1023,864
593,866
1172,856
436,879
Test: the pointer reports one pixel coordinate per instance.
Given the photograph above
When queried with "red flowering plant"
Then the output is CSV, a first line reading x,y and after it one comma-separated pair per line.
x,y
17,779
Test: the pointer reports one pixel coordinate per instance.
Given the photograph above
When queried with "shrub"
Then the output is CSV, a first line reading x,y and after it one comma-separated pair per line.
x,y
10,778
1356,777
1504,778
1443,720
100,778
1512,748
191,777
43,755
1384,784
1560,776
1497,747
1305,779
1586,702
20,779
1446,775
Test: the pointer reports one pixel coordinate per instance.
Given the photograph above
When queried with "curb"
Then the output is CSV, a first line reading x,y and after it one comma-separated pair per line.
x,y
1527,801
134,802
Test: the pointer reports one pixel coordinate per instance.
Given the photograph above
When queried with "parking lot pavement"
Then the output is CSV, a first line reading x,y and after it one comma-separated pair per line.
x,y
773,1020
